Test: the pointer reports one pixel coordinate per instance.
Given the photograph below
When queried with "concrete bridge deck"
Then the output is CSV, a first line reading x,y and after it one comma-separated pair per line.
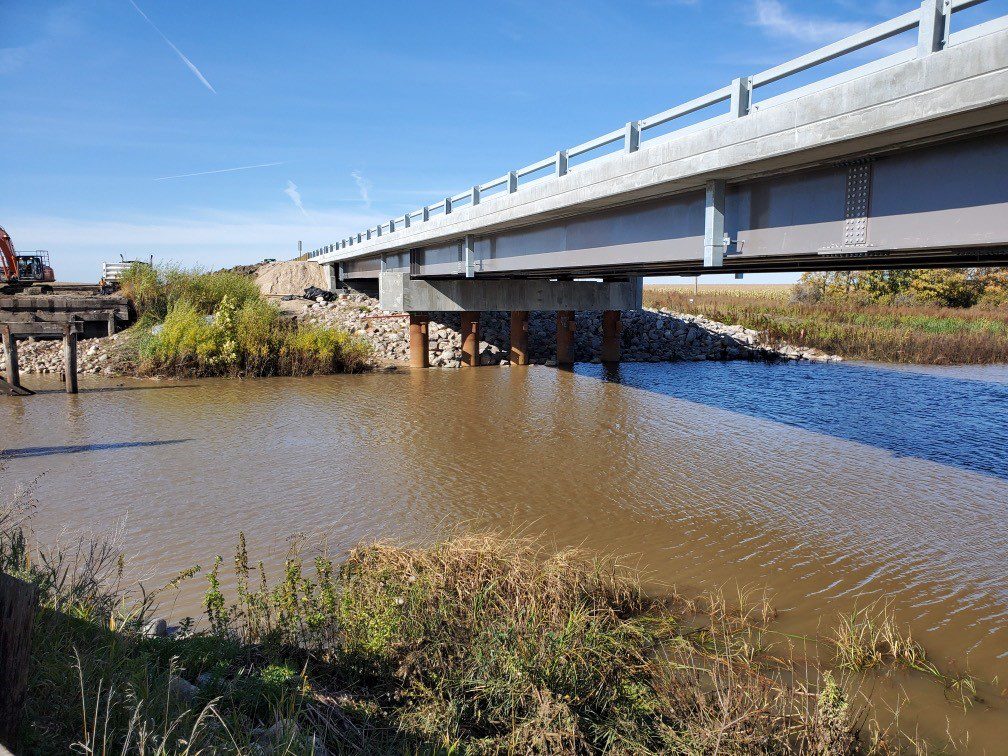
x,y
900,162
897,162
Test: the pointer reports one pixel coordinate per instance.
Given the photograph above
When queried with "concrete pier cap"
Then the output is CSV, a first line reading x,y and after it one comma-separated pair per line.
x,y
400,293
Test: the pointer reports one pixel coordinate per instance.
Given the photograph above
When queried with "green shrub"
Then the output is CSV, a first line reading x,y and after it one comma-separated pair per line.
x,y
194,324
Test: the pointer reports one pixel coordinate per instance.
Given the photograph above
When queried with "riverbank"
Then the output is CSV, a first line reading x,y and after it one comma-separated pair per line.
x,y
473,644
910,333
659,335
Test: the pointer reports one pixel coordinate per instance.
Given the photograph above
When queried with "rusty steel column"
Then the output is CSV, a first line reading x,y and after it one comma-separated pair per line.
x,y
470,339
419,341
519,337
10,344
565,338
611,327
70,358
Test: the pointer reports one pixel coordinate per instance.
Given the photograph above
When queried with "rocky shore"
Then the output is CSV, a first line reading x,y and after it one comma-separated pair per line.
x,y
648,336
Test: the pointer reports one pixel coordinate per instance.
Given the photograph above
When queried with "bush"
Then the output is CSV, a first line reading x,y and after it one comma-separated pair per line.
x,y
194,324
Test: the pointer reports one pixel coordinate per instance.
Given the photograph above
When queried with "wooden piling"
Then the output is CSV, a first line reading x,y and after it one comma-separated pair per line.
x,y
18,603
519,337
470,339
13,371
565,338
70,358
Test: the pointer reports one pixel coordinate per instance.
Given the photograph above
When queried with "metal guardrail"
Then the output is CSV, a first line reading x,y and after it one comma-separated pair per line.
x,y
932,20
111,271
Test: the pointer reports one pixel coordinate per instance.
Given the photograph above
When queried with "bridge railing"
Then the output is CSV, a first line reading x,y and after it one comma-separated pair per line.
x,y
932,21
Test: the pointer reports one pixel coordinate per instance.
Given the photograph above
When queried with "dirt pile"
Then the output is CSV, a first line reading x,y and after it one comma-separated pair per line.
x,y
292,277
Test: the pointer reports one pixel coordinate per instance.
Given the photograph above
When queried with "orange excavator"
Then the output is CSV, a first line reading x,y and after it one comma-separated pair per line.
x,y
18,272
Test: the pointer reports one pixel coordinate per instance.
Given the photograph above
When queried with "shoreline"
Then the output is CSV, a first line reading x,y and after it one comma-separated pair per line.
x,y
649,336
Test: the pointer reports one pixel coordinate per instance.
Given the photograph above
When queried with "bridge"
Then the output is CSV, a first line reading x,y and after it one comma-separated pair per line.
x,y
898,162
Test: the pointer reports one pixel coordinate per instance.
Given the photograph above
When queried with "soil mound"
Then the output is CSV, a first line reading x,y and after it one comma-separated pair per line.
x,y
292,277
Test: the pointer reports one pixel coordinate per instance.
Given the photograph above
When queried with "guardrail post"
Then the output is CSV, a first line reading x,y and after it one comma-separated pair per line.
x,y
714,246
933,30
18,605
512,182
406,221
561,163
631,137
426,214
741,96
447,205
475,195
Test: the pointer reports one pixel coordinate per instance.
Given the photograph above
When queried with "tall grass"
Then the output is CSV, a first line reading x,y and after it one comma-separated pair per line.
x,y
195,324
476,644
852,328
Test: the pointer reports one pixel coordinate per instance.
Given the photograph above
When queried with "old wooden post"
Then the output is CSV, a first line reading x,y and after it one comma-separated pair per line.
x,y
111,323
70,357
18,601
10,344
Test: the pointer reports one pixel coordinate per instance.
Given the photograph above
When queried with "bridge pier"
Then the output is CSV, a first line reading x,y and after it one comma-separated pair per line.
x,y
470,338
565,338
611,328
419,341
519,337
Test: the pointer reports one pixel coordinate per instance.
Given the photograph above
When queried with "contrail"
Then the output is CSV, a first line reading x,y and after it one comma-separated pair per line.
x,y
178,52
221,170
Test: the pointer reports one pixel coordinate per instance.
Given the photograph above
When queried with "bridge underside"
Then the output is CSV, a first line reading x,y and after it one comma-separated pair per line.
x,y
934,205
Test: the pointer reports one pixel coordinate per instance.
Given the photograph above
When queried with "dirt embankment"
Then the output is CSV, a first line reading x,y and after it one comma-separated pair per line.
x,y
279,279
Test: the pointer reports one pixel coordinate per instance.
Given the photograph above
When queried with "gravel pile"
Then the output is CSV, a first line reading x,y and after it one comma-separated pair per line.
x,y
285,278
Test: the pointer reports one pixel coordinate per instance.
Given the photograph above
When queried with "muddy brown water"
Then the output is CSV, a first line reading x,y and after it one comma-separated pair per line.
x,y
830,485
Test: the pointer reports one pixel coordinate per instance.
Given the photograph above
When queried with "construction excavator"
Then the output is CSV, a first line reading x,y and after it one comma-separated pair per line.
x,y
19,272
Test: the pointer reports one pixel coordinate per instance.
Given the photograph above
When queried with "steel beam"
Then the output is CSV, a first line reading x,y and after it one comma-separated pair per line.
x,y
565,339
419,341
611,328
470,331
519,337
714,215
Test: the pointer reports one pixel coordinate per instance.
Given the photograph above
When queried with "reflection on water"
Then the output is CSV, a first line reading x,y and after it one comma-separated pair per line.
x,y
828,483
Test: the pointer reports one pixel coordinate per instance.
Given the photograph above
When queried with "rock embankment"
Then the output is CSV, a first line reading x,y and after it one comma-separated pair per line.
x,y
647,336
94,356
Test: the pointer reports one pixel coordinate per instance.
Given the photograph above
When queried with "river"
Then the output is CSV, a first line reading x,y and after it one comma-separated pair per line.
x,y
832,485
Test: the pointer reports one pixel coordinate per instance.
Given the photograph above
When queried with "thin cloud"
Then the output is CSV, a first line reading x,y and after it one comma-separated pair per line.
x,y
295,196
364,187
775,18
189,64
221,170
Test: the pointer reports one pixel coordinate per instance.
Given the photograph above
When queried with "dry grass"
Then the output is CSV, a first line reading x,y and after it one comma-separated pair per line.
x,y
475,644
856,330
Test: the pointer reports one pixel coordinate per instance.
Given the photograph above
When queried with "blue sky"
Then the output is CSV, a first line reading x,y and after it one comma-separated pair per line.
x,y
354,112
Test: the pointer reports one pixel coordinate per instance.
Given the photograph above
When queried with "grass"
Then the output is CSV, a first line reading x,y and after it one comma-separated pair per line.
x,y
923,334
474,644
192,324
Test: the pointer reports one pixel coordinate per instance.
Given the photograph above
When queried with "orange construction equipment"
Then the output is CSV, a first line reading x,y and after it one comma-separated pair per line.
x,y
18,272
